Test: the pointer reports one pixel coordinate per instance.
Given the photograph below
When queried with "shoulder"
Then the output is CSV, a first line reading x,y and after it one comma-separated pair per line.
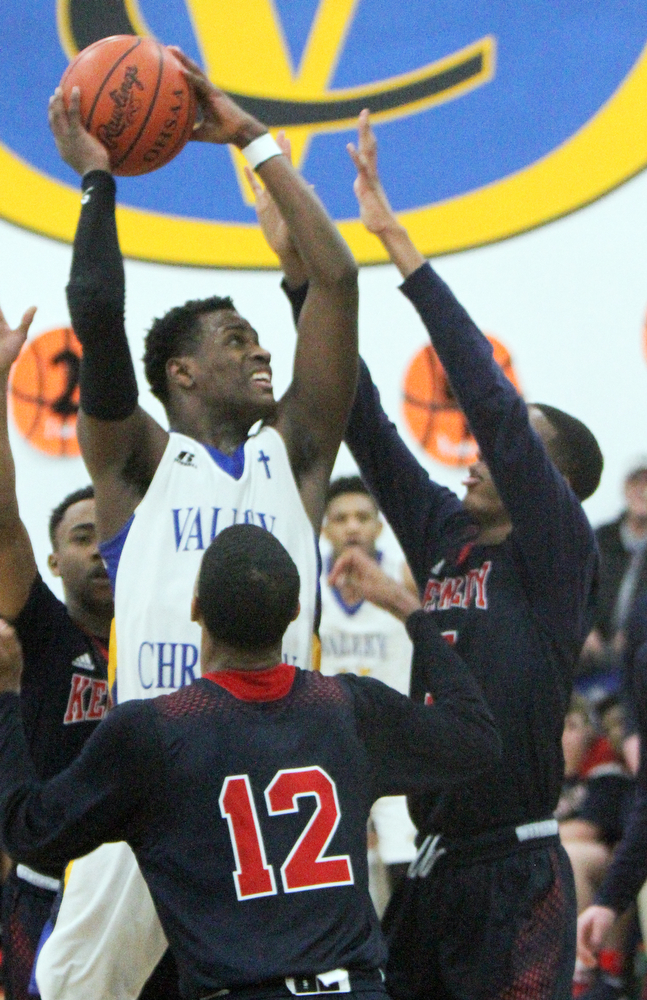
x,y
128,724
41,597
43,611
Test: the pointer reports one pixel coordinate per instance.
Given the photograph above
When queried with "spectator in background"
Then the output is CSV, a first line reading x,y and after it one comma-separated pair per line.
x,y
360,638
592,810
634,635
623,575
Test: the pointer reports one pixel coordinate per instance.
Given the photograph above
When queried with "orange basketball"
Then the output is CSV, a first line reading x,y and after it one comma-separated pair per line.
x,y
432,412
135,99
44,391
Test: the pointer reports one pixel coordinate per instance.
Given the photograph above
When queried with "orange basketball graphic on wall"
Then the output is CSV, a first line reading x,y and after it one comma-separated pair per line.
x,y
431,411
44,391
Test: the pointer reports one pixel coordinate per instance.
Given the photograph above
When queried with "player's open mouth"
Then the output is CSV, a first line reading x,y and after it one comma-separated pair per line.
x,y
263,378
471,481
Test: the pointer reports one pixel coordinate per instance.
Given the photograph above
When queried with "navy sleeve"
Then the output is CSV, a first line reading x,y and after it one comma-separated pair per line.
x,y
628,870
553,535
96,297
39,623
101,797
414,746
420,511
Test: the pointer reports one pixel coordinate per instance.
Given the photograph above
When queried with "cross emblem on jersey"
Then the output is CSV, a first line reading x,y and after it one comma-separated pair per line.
x,y
265,459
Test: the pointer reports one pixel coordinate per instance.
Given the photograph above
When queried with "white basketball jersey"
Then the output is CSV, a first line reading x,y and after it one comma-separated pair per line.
x,y
190,500
364,639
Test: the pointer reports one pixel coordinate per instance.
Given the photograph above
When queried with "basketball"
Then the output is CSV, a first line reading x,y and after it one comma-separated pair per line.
x,y
135,99
432,413
44,392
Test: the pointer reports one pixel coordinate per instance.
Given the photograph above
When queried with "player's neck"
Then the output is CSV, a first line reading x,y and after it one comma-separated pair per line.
x,y
216,657
94,622
226,432
493,534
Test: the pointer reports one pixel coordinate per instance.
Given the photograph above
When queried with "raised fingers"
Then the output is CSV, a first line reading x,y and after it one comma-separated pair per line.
x,y
254,182
57,113
26,320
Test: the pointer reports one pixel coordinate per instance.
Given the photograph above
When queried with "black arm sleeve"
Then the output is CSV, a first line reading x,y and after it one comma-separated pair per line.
x,y
414,747
95,296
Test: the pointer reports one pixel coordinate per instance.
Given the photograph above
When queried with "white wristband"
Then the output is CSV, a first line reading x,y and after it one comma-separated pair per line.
x,y
261,149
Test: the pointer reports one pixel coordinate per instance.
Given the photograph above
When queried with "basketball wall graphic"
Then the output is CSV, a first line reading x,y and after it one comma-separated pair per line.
x,y
44,392
431,411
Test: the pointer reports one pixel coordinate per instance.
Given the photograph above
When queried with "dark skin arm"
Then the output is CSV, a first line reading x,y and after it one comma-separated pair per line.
x,y
313,413
17,563
107,445
312,416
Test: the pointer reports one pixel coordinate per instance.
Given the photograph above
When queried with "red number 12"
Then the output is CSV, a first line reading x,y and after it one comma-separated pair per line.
x,y
305,866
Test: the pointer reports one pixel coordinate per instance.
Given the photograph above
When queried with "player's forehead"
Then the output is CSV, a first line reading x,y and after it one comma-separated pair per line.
x,y
352,504
220,322
79,516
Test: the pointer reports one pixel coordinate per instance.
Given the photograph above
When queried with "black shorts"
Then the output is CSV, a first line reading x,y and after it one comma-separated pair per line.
x,y
495,929
25,910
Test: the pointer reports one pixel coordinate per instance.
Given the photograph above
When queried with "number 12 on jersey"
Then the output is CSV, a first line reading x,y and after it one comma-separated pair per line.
x,y
305,866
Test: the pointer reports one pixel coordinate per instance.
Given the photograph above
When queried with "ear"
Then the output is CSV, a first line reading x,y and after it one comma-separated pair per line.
x,y
380,525
297,612
52,562
181,372
196,614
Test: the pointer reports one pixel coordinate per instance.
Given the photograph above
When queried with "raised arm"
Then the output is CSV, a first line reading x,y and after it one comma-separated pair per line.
x,y
17,563
418,510
548,520
314,411
121,443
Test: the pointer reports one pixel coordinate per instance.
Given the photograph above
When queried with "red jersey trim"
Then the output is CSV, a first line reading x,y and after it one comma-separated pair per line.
x,y
256,685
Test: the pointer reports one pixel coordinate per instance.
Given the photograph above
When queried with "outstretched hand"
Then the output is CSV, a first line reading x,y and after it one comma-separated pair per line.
x,y
78,148
375,211
363,577
222,120
274,226
10,659
11,341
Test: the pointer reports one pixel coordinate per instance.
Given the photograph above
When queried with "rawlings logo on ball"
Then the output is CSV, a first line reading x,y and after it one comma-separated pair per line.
x,y
126,108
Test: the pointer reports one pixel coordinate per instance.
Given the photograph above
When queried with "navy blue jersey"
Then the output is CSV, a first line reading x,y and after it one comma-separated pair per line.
x,y
245,798
64,686
518,612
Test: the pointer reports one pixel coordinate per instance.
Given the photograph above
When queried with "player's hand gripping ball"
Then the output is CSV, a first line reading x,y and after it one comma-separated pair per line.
x,y
135,99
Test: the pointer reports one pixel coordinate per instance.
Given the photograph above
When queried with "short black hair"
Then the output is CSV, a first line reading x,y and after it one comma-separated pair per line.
x,y
174,334
57,515
347,484
574,450
248,588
